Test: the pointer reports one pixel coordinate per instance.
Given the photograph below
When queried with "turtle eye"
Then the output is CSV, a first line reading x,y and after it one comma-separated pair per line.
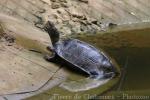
x,y
108,68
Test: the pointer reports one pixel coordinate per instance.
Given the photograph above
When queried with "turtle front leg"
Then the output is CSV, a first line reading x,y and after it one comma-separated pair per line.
x,y
49,48
50,58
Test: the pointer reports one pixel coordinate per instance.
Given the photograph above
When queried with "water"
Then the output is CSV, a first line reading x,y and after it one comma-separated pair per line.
x,y
131,50
137,71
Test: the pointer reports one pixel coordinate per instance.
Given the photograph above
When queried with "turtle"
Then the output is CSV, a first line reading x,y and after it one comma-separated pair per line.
x,y
79,54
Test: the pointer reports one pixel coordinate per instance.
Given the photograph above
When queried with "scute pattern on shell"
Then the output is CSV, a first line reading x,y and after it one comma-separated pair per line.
x,y
82,55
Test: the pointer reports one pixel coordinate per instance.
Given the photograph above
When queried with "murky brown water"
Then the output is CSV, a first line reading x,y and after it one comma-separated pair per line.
x,y
131,50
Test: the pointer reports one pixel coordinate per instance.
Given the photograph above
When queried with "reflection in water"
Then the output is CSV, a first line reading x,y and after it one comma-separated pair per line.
x,y
123,74
83,84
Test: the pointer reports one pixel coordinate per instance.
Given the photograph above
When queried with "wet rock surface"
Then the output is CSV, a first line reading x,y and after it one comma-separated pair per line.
x,y
26,71
21,69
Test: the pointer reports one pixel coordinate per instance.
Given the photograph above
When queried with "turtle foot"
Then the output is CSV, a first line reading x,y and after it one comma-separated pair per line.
x,y
49,58
50,48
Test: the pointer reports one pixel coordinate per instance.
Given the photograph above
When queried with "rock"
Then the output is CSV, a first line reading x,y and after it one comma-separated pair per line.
x,y
84,22
78,16
9,38
59,12
112,25
66,30
23,71
64,5
85,1
75,27
83,28
65,1
75,13
63,15
95,27
53,0
95,22
55,5
87,12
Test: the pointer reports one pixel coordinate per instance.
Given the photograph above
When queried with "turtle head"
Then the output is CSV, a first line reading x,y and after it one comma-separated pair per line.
x,y
109,70
52,31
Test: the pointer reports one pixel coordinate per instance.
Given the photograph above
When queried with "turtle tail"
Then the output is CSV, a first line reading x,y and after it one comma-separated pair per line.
x,y
52,31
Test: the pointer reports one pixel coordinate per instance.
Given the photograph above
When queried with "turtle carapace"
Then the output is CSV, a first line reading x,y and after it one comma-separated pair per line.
x,y
79,54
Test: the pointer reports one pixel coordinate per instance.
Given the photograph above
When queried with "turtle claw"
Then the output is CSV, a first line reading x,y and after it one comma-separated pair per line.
x,y
49,58
50,48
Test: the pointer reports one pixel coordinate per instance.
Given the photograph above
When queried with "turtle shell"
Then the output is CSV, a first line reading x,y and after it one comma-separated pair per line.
x,y
84,56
